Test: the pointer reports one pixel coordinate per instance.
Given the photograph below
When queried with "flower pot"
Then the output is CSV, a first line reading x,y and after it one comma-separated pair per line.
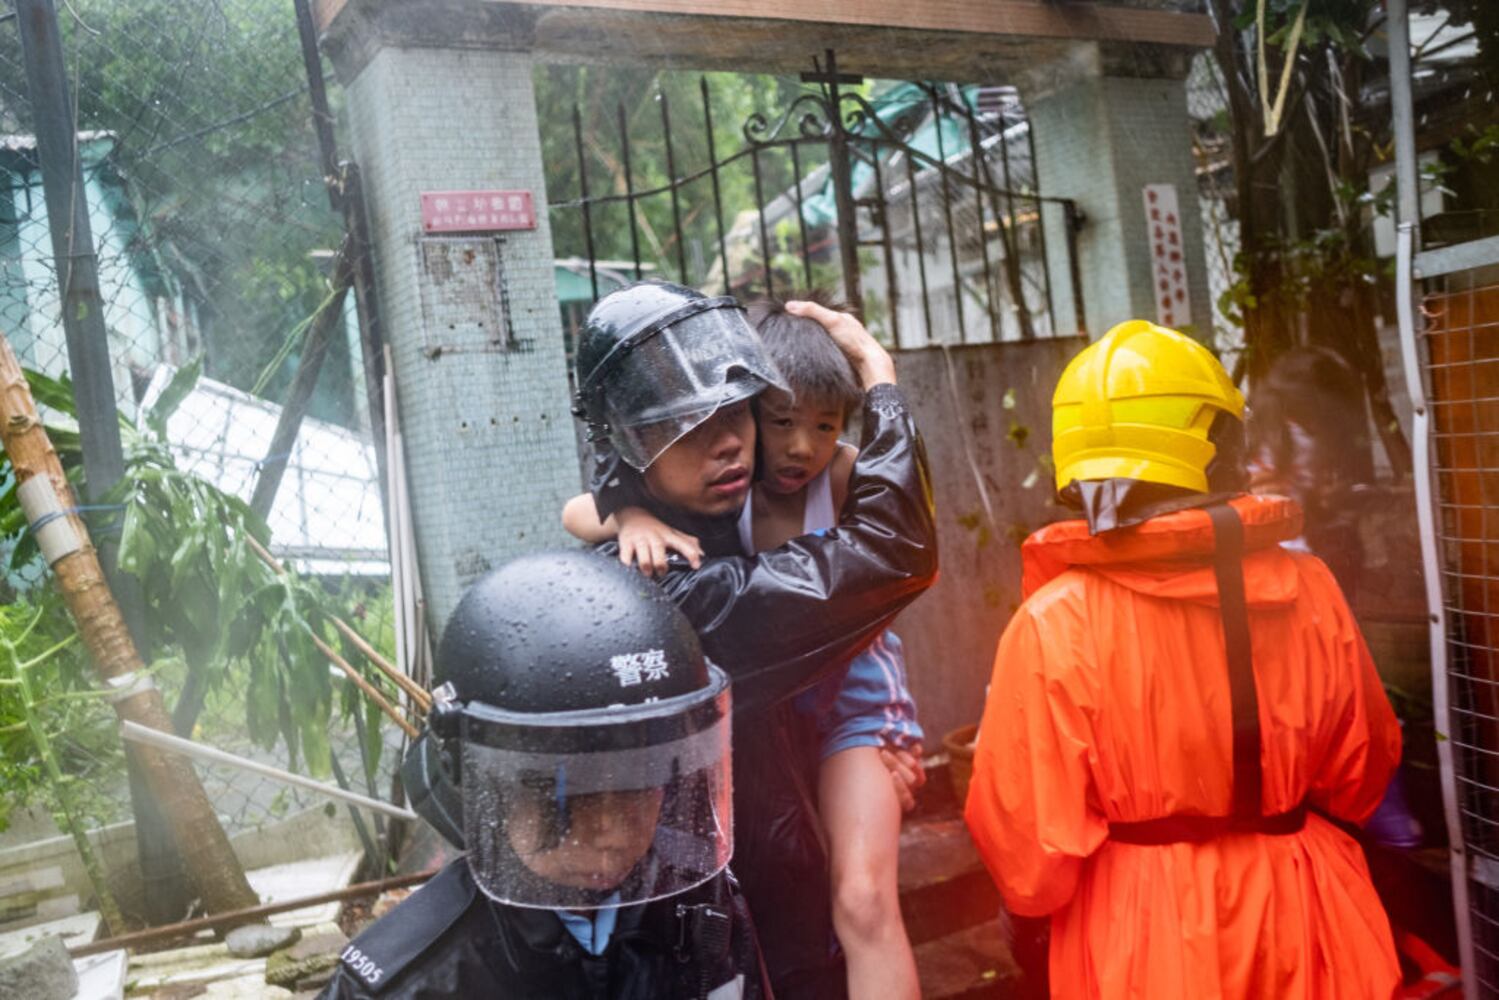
x,y
959,745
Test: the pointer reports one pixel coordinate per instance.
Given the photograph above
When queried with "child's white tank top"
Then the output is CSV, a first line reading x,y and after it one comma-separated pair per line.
x,y
817,515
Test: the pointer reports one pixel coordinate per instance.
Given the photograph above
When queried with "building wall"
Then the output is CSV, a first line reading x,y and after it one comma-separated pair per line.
x,y
30,303
984,411
1100,140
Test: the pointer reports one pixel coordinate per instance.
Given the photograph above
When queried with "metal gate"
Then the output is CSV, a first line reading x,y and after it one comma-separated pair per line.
x,y
919,203
1448,310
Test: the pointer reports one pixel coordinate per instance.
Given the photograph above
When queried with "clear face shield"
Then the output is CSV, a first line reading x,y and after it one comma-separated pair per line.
x,y
672,380
582,810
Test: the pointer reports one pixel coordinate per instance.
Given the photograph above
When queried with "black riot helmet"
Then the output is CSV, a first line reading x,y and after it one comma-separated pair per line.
x,y
656,360
587,735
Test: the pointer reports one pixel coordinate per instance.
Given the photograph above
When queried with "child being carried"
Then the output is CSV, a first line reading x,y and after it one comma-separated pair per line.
x,y
866,719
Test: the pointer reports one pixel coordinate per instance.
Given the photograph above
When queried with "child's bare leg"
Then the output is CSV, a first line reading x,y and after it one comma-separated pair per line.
x,y
862,817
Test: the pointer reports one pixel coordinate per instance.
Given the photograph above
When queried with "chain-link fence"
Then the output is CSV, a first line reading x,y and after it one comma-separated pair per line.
x,y
215,245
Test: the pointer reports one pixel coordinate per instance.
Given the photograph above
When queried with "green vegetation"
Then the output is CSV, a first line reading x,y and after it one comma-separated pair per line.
x,y
217,618
1304,133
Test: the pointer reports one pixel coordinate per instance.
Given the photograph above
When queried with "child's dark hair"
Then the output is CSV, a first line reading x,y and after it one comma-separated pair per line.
x,y
811,362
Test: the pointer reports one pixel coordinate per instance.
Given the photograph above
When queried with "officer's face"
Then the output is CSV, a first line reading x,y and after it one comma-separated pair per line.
x,y
708,471
602,838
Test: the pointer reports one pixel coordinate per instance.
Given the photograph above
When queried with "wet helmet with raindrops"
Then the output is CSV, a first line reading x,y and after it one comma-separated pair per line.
x,y
586,734
656,359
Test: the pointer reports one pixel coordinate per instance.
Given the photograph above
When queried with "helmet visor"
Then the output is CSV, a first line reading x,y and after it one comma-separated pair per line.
x,y
647,816
673,380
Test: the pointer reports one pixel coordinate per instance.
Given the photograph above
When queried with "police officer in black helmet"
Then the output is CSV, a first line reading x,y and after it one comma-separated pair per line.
x,y
587,739
665,379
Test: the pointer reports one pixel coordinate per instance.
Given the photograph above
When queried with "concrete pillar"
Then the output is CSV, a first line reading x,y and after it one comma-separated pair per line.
x,y
1102,133
472,322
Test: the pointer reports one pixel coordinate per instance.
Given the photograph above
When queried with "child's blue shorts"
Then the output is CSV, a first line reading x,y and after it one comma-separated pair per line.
x,y
869,706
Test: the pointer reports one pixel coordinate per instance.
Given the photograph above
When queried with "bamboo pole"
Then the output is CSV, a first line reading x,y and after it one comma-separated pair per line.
x,y
373,693
413,690
205,847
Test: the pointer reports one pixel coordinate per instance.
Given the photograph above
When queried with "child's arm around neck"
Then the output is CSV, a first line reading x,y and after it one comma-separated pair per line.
x,y
840,471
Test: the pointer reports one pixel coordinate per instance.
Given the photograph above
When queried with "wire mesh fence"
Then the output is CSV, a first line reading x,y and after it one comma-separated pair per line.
x,y
1207,104
214,242
1462,359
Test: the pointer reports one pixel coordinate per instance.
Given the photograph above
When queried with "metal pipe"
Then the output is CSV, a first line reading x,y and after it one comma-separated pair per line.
x,y
624,148
978,202
346,193
1012,239
60,161
671,173
892,284
136,733
801,216
249,914
770,285
593,267
1073,221
952,235
840,169
926,298
1402,101
1406,239
322,117
723,250
77,266
1035,187
1441,703
309,365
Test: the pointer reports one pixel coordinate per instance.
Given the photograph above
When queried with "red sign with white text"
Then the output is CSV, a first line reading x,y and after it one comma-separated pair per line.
x,y
476,211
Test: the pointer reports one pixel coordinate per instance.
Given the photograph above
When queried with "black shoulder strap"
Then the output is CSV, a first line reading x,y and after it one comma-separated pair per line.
x,y
393,942
1228,565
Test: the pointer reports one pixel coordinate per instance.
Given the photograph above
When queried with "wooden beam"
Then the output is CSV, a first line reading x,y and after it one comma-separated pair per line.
x,y
981,20
1012,18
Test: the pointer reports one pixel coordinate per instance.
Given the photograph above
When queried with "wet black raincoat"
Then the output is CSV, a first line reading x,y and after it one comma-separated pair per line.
x,y
777,623
450,940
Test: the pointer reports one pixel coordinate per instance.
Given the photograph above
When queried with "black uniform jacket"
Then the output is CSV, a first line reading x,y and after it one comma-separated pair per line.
x,y
777,623
449,940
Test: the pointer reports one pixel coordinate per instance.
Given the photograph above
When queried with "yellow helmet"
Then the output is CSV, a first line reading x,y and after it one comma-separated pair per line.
x,y
1138,404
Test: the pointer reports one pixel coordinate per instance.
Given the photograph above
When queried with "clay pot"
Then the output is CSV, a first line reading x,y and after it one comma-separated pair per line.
x,y
959,747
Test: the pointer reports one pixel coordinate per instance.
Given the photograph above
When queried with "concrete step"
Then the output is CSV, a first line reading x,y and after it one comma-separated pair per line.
x,y
951,906
971,964
943,885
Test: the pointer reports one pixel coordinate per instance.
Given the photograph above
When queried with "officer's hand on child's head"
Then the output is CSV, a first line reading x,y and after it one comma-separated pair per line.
x,y
871,361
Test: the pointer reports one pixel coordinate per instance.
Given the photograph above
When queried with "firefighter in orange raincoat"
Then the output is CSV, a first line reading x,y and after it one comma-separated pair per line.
x,y
1181,711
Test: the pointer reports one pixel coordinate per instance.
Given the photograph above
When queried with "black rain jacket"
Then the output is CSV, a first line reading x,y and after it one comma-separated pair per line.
x,y
450,940
777,623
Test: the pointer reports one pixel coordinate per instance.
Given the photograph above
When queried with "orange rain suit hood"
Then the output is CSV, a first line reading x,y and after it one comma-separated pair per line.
x,y
1109,702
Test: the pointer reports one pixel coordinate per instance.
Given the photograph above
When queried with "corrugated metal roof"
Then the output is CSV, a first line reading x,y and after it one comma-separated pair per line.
x,y
327,517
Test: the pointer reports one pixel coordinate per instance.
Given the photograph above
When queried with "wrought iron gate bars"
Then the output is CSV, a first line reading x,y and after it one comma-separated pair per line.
x,y
858,126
